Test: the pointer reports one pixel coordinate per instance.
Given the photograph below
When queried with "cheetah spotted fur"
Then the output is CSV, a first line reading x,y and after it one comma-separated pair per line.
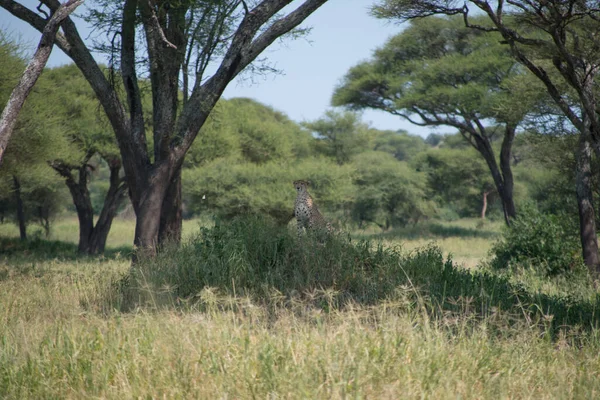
x,y
306,211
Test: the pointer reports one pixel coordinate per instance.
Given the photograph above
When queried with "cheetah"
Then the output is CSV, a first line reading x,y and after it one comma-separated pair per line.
x,y
306,211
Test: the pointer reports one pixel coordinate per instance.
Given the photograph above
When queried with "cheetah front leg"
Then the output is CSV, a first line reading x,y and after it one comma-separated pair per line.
x,y
300,225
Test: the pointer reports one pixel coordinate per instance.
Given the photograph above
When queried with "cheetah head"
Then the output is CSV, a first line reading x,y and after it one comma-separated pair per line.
x,y
301,185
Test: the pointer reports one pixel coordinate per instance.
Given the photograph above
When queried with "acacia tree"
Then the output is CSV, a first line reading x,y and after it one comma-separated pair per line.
x,y
37,137
557,42
440,73
82,123
339,135
176,36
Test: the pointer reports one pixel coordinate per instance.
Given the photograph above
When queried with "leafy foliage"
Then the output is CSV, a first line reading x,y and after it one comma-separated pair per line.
x,y
250,131
231,189
456,179
389,192
547,243
256,256
400,144
340,135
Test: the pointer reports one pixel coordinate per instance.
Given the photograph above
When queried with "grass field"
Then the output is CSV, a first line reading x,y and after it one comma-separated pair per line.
x,y
468,240
62,336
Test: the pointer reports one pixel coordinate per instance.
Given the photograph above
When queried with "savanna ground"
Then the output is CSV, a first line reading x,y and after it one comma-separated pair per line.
x,y
237,314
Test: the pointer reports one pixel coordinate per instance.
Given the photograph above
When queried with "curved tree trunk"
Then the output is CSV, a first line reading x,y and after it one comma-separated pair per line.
x,y
17,98
485,204
502,175
114,198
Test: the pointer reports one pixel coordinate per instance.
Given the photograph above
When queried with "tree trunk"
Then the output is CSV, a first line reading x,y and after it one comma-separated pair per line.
x,y
85,211
148,212
92,239
81,200
20,209
508,202
587,219
171,214
485,203
502,180
113,199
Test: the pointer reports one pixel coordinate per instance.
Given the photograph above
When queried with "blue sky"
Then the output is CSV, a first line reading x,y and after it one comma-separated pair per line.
x,y
343,34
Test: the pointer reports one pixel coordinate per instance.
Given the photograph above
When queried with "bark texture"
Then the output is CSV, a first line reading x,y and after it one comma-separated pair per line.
x,y
587,216
501,172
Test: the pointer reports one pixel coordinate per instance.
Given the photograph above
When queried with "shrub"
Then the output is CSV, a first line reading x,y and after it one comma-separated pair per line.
x,y
540,241
231,189
255,256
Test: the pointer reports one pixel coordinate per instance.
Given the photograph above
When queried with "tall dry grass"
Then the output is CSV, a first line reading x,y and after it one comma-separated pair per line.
x,y
439,333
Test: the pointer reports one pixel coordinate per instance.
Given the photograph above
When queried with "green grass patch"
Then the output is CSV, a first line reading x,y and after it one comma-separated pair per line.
x,y
247,310
255,258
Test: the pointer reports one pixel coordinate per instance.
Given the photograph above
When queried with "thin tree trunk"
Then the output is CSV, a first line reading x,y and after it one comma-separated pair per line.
x,y
85,211
20,209
113,199
587,219
508,202
32,72
485,204
81,200
504,186
92,239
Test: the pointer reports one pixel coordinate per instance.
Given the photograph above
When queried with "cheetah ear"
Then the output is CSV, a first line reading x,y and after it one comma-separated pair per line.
x,y
308,183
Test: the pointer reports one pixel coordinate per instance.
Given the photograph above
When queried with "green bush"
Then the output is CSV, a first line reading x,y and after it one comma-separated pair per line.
x,y
544,242
229,189
255,256
251,256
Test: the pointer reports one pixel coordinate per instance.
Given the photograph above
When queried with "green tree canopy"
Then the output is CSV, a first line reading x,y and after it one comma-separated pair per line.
x,y
249,130
456,179
389,192
340,135
29,186
438,72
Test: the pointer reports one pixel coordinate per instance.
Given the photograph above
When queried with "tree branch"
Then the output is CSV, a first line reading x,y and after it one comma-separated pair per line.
x,y
33,19
32,73
130,81
279,27
242,52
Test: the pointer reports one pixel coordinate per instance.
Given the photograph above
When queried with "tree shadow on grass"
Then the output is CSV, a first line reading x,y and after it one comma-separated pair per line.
x,y
490,292
432,230
39,250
